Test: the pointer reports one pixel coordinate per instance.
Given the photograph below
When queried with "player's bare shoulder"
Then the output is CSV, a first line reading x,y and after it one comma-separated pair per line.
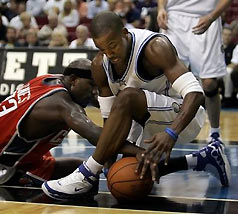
x,y
160,48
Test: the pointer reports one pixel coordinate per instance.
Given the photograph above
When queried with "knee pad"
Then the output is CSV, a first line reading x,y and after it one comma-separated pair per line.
x,y
211,93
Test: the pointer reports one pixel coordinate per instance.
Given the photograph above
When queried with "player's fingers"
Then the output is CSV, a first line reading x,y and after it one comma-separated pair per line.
x,y
144,168
198,26
167,157
154,172
163,24
140,163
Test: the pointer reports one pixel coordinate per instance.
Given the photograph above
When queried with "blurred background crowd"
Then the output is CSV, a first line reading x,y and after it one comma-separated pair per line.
x,y
66,23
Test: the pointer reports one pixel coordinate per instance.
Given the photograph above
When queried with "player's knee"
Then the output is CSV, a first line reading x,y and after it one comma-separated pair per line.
x,y
212,92
210,87
126,98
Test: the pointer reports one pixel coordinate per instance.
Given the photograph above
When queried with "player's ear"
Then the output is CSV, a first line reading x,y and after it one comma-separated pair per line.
x,y
73,78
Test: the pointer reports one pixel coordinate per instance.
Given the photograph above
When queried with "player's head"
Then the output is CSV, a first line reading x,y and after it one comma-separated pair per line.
x,y
78,80
110,36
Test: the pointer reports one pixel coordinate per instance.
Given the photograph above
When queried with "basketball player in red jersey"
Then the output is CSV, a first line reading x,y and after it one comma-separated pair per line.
x,y
37,117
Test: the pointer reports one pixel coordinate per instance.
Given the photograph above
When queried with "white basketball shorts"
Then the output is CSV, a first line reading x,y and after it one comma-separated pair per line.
x,y
163,111
204,53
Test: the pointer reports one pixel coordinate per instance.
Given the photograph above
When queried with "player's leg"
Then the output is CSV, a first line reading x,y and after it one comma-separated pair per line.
x,y
208,49
130,104
211,159
213,105
42,170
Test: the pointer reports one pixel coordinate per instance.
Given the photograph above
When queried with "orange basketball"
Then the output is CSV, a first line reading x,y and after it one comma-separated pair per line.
x,y
124,183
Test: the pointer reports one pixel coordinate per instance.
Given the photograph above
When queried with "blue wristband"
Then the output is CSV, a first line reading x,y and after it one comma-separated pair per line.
x,y
171,133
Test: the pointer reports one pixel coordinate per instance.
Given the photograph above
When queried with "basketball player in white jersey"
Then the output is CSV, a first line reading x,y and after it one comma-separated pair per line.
x,y
142,83
194,27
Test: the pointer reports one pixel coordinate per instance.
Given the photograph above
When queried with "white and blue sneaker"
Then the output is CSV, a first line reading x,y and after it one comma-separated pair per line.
x,y
213,159
78,184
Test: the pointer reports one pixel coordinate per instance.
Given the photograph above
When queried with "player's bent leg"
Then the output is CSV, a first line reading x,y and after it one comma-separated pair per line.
x,y
81,182
213,159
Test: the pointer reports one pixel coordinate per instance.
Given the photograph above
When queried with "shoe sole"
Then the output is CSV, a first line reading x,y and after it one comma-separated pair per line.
x,y
227,165
63,196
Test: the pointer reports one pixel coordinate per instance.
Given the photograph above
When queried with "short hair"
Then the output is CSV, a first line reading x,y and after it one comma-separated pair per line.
x,y
80,68
25,15
105,21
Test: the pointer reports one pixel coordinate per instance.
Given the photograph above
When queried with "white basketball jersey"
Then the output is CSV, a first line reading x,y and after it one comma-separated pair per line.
x,y
195,8
134,75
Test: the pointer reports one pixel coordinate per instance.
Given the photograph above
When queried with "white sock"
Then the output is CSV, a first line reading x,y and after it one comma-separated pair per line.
x,y
215,130
93,165
191,161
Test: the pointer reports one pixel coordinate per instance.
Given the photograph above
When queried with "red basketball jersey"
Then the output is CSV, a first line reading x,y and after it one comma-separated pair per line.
x,y
15,149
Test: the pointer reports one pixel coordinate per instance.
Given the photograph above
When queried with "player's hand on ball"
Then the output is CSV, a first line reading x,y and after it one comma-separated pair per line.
x,y
160,144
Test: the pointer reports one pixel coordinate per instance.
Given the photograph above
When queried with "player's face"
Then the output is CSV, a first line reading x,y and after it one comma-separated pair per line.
x,y
113,45
82,91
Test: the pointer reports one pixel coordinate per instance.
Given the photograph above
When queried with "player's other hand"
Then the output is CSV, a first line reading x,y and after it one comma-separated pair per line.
x,y
203,24
160,144
162,19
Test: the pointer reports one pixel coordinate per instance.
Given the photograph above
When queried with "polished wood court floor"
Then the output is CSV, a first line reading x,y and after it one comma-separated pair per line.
x,y
180,192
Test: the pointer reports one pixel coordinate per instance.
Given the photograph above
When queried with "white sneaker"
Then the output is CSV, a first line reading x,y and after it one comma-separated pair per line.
x,y
80,183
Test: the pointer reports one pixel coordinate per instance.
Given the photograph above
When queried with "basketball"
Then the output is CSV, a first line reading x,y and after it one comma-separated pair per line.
x,y
125,184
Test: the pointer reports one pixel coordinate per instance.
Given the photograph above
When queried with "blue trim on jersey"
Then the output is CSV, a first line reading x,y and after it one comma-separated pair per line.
x,y
137,56
160,108
108,69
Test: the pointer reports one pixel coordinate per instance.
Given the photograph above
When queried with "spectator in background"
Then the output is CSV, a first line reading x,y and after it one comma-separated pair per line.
x,y
31,38
3,30
146,4
4,19
234,66
112,4
131,12
96,6
11,38
24,21
53,5
21,6
45,32
149,16
124,20
10,10
229,46
234,28
58,39
21,37
231,13
35,7
83,40
69,16
82,8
